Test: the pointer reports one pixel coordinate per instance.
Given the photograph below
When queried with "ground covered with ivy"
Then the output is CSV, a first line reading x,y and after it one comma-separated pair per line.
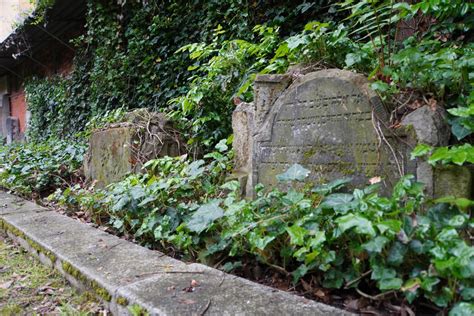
x,y
194,60
29,288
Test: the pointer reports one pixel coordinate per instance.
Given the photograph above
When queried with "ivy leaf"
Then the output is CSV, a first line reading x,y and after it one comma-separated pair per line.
x,y
393,225
380,272
204,216
295,172
333,279
462,309
390,284
376,245
340,202
447,235
443,297
318,239
396,254
295,41
429,283
352,59
462,203
332,186
420,150
439,154
260,242
222,146
297,234
299,273
361,224
230,266
411,285
293,197
468,294
459,129
195,169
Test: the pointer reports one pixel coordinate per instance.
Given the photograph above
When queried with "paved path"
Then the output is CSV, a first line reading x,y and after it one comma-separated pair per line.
x,y
125,275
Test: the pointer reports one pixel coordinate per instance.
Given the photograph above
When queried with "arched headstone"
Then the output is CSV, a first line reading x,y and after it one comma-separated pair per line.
x,y
330,122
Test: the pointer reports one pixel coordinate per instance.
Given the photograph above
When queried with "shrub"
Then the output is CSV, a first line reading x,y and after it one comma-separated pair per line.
x,y
40,168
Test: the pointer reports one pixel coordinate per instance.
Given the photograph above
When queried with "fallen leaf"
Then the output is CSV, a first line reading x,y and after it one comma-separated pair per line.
x,y
6,285
375,180
186,301
188,289
306,285
352,304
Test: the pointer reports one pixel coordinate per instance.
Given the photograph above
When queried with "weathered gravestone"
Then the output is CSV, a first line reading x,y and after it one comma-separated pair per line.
x,y
122,148
13,129
328,121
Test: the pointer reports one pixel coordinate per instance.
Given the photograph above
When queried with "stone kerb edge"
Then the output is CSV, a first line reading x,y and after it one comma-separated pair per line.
x,y
75,276
115,297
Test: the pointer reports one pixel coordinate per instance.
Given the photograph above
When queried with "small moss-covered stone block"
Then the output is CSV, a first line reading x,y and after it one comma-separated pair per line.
x,y
454,181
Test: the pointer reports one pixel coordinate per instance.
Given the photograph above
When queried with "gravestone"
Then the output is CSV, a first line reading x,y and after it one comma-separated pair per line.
x,y
122,148
328,121
13,129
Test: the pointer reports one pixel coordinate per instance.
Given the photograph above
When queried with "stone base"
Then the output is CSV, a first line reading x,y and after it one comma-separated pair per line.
x,y
453,180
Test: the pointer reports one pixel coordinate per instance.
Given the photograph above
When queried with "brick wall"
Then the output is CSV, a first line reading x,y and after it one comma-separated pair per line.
x,y
58,60
18,107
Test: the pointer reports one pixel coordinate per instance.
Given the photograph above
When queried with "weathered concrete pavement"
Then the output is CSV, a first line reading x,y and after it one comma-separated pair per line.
x,y
123,274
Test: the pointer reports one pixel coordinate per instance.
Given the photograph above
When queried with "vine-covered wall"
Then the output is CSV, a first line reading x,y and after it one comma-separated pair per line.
x,y
127,57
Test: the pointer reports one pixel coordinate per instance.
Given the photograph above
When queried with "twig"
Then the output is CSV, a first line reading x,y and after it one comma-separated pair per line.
x,y
376,297
205,308
380,134
363,275
278,268
159,272
222,280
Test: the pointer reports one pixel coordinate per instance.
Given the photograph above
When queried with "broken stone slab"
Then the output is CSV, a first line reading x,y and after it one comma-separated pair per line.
x,y
429,126
123,274
452,180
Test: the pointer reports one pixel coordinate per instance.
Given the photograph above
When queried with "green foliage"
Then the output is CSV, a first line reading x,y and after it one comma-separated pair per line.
x,y
45,98
343,240
126,59
153,205
459,155
40,168
191,58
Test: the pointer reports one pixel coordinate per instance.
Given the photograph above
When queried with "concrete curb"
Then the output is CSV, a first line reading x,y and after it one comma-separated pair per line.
x,y
123,274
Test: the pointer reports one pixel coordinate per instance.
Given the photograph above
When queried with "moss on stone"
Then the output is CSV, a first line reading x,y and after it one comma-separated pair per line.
x,y
137,310
98,290
122,301
12,229
101,291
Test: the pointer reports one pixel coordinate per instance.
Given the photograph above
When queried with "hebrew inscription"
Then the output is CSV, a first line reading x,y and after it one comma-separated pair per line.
x,y
326,122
